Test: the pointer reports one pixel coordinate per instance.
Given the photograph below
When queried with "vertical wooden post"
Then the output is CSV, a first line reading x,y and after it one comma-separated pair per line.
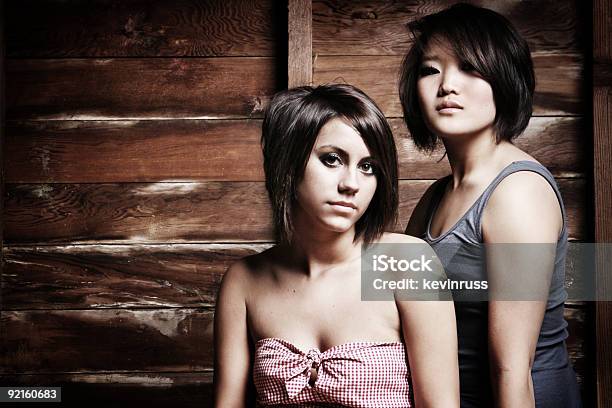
x,y
602,178
2,127
300,43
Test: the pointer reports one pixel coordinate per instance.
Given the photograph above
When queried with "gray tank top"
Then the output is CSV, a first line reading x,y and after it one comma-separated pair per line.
x,y
472,317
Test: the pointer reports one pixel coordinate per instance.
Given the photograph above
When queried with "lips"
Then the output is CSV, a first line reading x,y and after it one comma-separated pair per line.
x,y
343,204
448,104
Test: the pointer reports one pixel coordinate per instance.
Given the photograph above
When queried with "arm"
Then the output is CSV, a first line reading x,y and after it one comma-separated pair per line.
x,y
523,209
430,334
232,357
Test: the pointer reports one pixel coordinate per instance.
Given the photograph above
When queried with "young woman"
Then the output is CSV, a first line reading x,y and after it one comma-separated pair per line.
x,y
468,81
291,319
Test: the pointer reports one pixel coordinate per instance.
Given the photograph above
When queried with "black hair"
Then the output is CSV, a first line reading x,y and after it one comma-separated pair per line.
x,y
290,127
489,43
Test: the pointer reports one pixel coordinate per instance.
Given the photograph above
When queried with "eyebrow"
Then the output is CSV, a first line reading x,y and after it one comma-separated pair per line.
x,y
430,57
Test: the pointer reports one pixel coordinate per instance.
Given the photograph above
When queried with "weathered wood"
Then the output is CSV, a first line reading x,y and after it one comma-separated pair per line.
x,y
135,276
129,151
558,80
179,212
144,88
370,27
106,340
602,183
221,150
602,43
117,276
179,340
148,389
120,28
299,66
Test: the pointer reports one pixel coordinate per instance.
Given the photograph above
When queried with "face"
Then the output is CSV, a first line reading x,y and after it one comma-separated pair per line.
x,y
339,180
454,99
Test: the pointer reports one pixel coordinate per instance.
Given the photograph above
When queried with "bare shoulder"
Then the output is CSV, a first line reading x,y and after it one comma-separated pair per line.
x,y
523,189
523,208
244,272
393,238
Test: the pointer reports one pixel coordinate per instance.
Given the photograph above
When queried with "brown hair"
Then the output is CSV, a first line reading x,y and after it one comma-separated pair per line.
x,y
290,127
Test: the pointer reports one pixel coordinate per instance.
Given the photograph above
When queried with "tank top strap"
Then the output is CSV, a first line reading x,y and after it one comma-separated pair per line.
x,y
514,167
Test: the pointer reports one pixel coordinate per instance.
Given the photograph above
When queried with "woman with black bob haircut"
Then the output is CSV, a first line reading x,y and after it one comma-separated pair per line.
x,y
468,81
331,173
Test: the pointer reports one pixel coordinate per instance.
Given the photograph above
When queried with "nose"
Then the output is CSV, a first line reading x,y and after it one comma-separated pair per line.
x,y
449,82
349,184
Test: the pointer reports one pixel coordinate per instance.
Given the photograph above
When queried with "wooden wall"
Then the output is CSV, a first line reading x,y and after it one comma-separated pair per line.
x,y
133,172
133,178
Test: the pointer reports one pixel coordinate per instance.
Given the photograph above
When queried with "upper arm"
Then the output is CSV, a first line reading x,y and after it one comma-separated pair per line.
x,y
430,335
232,359
429,332
418,219
520,226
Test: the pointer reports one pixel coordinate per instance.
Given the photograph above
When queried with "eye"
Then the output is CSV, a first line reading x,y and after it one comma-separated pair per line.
x,y
427,70
367,167
331,159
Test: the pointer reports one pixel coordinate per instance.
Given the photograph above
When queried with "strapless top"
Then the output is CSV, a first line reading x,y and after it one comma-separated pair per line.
x,y
358,374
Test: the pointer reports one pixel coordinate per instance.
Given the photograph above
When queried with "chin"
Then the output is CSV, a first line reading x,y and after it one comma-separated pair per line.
x,y
338,224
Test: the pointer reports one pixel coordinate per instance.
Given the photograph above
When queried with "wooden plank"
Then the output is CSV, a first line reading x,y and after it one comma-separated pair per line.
x,y
133,276
48,341
150,389
117,276
134,28
559,80
178,340
602,183
129,151
221,150
179,212
370,27
146,88
300,43
602,39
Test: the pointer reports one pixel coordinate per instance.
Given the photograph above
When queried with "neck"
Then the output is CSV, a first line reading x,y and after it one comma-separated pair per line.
x,y
470,155
315,250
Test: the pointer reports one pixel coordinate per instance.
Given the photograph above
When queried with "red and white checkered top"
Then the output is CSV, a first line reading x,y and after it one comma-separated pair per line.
x,y
359,374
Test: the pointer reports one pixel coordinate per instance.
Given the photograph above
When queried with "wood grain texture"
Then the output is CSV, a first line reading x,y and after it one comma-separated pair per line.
x,y
178,340
150,389
558,91
146,88
602,37
299,67
136,276
129,151
106,340
179,212
602,183
120,28
221,150
371,27
117,276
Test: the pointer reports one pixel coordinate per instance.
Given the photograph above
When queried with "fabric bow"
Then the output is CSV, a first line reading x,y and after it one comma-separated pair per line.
x,y
300,375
